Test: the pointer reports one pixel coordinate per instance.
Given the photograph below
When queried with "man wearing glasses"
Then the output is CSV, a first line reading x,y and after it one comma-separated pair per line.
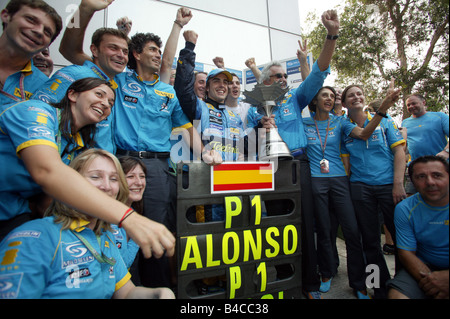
x,y
287,118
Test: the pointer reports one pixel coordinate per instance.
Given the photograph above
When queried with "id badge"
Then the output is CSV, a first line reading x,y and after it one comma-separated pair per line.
x,y
324,166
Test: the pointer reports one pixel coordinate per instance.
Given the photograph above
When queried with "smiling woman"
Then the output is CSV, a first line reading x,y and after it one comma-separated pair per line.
x,y
40,138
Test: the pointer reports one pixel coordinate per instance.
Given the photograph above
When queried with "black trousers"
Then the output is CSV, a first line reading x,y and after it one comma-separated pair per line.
x,y
310,275
368,200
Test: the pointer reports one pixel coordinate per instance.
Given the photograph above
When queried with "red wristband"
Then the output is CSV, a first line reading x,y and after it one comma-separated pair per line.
x,y
127,213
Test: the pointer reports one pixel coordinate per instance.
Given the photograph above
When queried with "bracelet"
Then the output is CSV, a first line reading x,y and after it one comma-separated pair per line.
x,y
179,23
125,216
381,114
332,37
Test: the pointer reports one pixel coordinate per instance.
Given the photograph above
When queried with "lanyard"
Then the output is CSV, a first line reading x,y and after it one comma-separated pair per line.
x,y
21,88
100,258
320,139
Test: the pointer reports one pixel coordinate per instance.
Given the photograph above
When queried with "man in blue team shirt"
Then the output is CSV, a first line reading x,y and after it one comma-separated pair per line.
x,y
422,222
29,27
221,129
147,111
288,120
427,132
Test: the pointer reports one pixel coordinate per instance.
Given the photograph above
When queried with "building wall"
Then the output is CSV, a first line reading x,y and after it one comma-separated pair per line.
x,y
234,29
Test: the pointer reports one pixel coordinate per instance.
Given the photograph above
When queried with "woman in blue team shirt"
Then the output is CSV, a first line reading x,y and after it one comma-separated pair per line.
x,y
330,185
376,180
37,140
70,254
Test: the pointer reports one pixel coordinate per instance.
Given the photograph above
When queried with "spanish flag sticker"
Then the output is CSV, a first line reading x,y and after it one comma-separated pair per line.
x,y
242,177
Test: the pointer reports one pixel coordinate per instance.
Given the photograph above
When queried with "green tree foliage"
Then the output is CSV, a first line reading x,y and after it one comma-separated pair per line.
x,y
380,39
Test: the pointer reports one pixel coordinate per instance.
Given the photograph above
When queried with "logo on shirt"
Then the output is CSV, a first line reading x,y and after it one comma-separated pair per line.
x,y
39,131
133,88
73,254
131,99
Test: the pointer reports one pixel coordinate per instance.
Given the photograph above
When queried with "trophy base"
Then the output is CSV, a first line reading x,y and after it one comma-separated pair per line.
x,y
277,150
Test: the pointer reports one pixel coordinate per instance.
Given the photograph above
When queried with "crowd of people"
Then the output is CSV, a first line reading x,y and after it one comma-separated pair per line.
x,y
88,185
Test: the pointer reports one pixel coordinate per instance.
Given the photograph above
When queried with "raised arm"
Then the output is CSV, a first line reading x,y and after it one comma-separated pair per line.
x,y
71,46
185,79
184,15
390,100
251,64
302,56
330,20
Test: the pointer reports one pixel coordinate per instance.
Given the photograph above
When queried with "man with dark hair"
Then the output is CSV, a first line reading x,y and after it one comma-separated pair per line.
x,y
29,27
147,111
421,223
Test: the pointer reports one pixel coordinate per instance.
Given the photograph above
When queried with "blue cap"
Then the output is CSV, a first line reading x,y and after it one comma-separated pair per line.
x,y
216,72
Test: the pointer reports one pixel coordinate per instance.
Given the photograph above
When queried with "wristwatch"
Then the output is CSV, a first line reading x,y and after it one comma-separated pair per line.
x,y
381,114
332,37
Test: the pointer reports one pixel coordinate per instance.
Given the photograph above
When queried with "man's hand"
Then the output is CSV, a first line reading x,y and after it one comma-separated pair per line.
x,y
219,62
95,5
190,36
302,52
184,15
212,158
330,21
250,63
268,122
124,24
435,284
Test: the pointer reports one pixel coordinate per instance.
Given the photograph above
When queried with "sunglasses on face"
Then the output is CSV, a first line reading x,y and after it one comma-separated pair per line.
x,y
279,76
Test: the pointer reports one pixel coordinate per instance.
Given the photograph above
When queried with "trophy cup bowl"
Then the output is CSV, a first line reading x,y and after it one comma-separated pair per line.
x,y
265,98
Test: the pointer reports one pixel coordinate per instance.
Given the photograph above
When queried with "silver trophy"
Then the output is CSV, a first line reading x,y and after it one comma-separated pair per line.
x,y
265,98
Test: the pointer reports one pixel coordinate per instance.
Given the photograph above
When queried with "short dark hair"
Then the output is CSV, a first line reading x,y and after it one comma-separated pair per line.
x,y
426,159
15,5
137,44
420,96
312,105
98,35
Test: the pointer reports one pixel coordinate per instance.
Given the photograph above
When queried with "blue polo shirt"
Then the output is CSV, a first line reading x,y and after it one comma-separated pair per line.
x,y
427,135
33,79
288,115
339,126
55,88
424,229
145,114
40,260
22,125
372,161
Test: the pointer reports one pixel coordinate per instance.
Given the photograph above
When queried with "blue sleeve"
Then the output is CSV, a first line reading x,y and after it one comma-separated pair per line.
x,y
445,123
26,258
184,81
310,86
29,123
404,230
393,135
347,126
54,89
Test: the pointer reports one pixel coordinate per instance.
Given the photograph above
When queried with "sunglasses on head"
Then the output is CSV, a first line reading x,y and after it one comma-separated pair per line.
x,y
279,76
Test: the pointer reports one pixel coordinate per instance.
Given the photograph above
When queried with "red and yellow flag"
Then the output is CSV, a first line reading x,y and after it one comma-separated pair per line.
x,y
242,177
